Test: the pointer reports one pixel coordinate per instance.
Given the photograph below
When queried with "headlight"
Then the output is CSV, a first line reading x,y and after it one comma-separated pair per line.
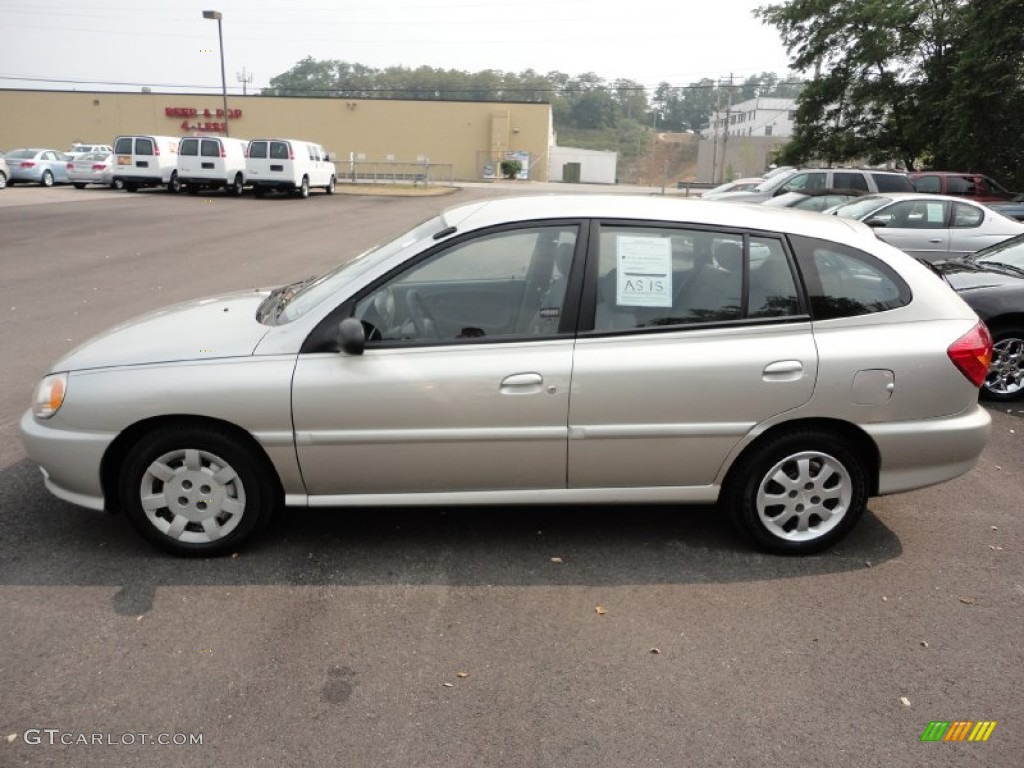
x,y
49,395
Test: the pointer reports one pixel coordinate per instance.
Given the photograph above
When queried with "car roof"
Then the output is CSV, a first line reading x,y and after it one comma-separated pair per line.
x,y
923,196
672,210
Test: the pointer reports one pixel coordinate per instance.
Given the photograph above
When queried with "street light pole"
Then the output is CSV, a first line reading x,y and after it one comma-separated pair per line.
x,y
223,78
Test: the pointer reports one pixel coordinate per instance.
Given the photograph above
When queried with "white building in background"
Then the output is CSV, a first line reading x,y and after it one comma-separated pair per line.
x,y
584,166
761,116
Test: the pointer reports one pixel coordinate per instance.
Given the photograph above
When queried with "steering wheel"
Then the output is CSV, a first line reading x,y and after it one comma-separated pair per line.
x,y
422,320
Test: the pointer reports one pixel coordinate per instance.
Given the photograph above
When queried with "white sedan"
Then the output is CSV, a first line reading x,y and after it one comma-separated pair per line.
x,y
931,227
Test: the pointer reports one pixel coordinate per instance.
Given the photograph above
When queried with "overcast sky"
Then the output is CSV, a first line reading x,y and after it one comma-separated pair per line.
x,y
168,45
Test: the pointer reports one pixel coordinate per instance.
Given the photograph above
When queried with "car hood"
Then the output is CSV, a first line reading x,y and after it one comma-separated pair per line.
x,y
966,275
217,326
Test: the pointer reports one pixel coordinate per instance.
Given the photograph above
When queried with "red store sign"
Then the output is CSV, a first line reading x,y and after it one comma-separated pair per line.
x,y
190,113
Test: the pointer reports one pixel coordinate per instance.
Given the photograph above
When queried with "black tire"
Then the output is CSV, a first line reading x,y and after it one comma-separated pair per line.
x,y
79,185
304,188
1005,379
174,186
237,186
3,180
46,179
330,187
117,184
824,487
198,509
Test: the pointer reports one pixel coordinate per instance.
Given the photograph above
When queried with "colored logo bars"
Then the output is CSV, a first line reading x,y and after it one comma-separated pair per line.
x,y
958,730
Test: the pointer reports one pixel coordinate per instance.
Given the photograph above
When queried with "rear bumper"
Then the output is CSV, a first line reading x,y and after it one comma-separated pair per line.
x,y
917,454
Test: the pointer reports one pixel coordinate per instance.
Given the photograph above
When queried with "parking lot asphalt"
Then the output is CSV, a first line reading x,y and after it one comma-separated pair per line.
x,y
463,637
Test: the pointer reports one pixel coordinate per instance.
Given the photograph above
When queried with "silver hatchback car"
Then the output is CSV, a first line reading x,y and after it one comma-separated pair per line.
x,y
581,349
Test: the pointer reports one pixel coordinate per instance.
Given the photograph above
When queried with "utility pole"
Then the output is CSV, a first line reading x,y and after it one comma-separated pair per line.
x,y
725,138
244,78
714,134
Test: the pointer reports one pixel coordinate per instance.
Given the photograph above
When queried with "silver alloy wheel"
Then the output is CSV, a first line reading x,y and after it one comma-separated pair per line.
x,y
804,496
192,496
1006,373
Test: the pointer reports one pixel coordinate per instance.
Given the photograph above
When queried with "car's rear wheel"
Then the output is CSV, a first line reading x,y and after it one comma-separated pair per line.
x,y
47,179
79,185
797,493
117,184
1005,378
3,180
174,185
304,187
196,491
330,186
237,186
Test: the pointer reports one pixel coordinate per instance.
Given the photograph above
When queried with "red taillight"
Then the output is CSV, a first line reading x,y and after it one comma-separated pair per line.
x,y
99,166
156,149
28,164
291,153
71,166
222,152
972,354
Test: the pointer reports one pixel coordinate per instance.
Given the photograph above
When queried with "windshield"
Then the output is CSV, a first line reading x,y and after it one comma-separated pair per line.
x,y
776,181
308,296
861,208
1009,252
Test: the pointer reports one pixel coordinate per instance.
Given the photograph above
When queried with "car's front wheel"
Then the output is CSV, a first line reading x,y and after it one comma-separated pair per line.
x,y
196,491
3,180
1005,378
47,179
797,493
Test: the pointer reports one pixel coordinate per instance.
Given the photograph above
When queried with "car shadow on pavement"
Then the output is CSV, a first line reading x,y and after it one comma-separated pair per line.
x,y
47,542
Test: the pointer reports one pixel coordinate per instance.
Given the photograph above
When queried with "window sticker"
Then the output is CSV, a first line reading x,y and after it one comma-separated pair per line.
x,y
644,275
936,213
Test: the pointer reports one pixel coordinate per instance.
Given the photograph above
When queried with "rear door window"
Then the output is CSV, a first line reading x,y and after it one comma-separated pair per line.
x,y
124,145
189,147
211,148
966,216
932,185
279,150
846,180
258,149
143,146
655,277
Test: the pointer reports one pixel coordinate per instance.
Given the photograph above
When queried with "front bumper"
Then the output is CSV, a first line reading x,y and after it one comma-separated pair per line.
x,y
69,459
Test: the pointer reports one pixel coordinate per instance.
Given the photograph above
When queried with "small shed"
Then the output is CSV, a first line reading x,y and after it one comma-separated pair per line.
x,y
582,166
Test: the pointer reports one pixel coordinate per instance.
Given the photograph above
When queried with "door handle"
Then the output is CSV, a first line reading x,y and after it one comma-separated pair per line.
x,y
522,384
935,240
783,370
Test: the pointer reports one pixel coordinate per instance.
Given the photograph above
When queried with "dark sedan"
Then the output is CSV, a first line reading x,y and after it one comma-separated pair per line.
x,y
991,281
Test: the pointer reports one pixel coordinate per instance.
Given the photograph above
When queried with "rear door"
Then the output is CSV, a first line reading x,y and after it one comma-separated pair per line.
x,y
693,337
188,157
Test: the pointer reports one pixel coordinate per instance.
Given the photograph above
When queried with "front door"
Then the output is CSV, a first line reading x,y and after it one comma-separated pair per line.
x,y
464,383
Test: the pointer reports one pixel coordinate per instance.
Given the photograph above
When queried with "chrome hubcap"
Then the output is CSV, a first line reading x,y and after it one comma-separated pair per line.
x,y
1006,373
192,496
804,496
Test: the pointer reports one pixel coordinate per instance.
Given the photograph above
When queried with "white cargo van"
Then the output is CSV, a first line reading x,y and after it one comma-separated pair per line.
x,y
146,161
211,162
289,165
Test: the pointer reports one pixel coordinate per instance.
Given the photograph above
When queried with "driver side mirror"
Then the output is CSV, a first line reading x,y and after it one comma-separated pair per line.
x,y
351,336
876,222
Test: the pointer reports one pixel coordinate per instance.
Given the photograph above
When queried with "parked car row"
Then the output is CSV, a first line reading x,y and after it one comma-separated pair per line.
x,y
190,163
194,163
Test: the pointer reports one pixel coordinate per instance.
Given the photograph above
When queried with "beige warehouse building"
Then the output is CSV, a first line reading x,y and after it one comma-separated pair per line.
x,y
461,140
